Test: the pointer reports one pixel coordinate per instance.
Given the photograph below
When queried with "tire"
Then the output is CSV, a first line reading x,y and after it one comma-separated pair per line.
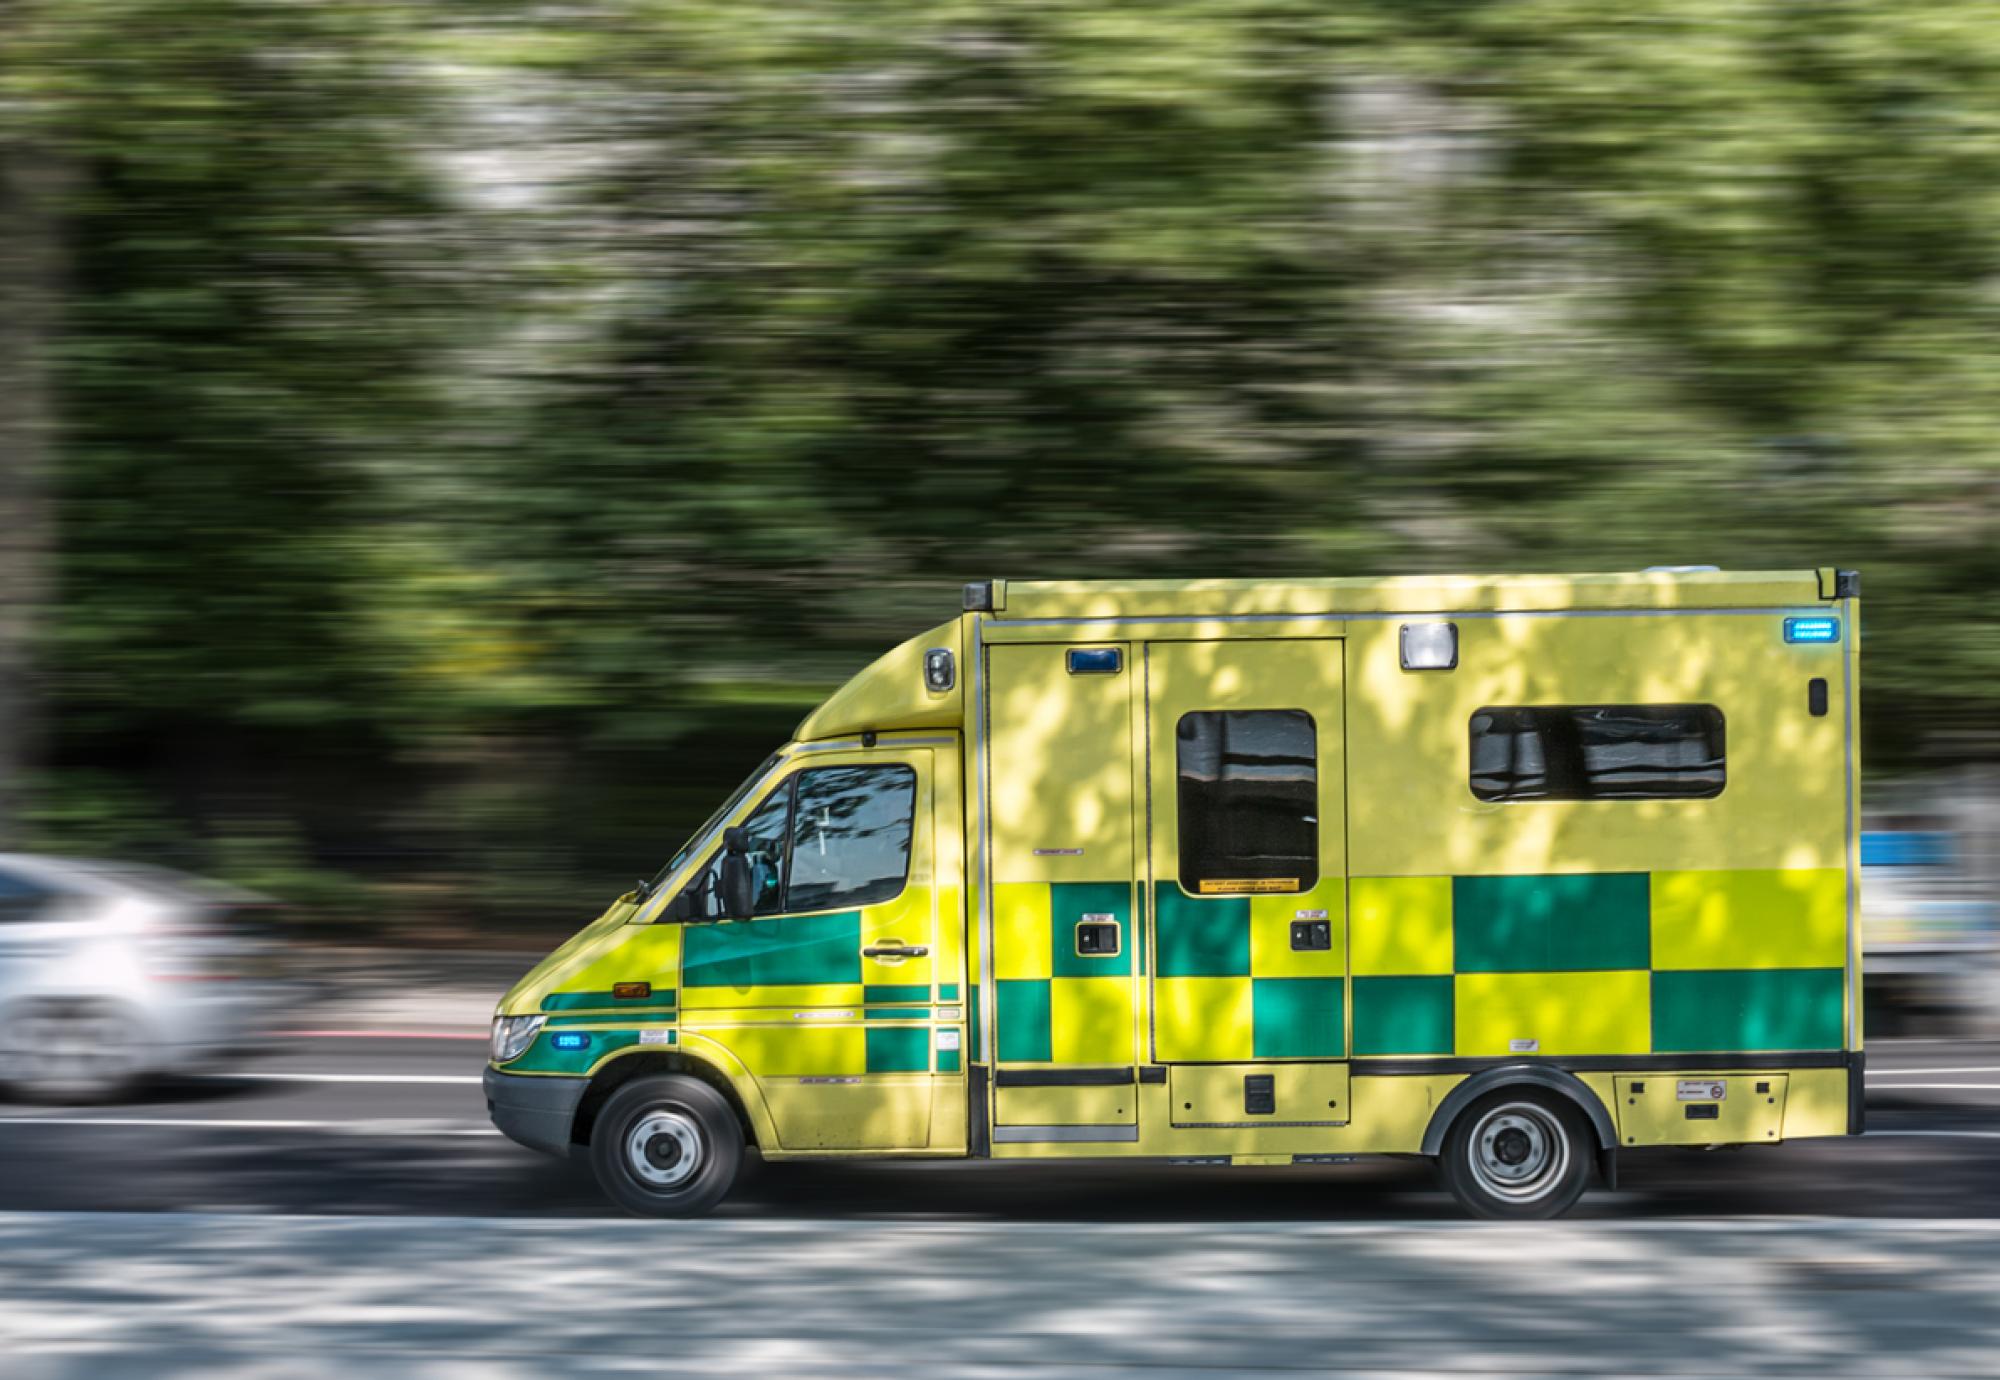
x,y
666,1146
73,1053
1517,1153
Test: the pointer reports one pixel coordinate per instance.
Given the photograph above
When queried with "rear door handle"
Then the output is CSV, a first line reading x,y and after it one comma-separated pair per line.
x,y
894,950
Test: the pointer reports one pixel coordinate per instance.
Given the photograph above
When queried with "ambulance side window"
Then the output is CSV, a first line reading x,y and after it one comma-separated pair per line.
x,y
1249,801
768,826
1598,752
850,836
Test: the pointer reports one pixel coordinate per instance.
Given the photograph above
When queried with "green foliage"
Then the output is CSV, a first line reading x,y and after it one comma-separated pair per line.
x,y
479,429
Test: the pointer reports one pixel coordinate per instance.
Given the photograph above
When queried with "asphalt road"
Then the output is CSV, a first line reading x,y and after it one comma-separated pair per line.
x,y
341,1207
397,1126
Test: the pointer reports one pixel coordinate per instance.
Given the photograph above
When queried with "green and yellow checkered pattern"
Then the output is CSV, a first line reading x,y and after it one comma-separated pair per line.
x,y
1599,963
1229,985
1054,1005
1571,964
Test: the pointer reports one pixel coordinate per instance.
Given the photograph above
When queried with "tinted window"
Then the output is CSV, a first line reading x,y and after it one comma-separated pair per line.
x,y
768,832
1249,801
850,836
1597,752
20,899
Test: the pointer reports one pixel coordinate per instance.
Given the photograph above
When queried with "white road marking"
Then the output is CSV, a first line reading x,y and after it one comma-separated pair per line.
x,y
1893,1073
362,1128
1902,1087
1961,1135
376,1035
347,1077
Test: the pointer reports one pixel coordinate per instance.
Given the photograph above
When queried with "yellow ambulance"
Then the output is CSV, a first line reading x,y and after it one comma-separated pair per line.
x,y
1511,872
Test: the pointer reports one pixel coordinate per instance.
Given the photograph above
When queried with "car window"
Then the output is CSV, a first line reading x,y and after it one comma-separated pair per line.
x,y
768,832
850,836
1598,752
1249,801
20,899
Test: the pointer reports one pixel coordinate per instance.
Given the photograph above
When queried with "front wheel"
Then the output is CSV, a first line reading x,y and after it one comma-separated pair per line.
x,y
1517,1154
666,1146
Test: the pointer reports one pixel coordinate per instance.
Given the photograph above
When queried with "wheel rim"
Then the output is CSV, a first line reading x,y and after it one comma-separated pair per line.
x,y
1519,1152
71,1051
665,1148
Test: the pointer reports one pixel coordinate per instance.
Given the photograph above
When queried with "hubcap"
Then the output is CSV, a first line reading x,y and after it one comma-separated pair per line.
x,y
664,1148
1519,1151
64,1051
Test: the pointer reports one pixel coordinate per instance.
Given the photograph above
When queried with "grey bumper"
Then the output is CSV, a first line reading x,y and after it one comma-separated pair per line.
x,y
536,1112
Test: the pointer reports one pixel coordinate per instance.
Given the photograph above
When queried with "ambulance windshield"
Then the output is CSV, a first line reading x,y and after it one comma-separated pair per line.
x,y
709,825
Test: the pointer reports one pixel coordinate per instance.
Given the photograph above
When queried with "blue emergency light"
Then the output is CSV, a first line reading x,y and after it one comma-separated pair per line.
x,y
1095,661
1814,629
571,1039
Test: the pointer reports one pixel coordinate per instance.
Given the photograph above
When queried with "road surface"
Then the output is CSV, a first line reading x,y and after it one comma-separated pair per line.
x,y
341,1207
353,1124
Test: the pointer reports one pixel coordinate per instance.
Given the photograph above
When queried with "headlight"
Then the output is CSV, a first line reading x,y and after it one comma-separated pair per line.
x,y
512,1034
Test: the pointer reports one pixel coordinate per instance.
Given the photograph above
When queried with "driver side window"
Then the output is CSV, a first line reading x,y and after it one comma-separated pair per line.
x,y
831,838
768,828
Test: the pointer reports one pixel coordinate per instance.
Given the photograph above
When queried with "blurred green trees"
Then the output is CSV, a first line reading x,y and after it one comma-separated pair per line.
x,y
478,434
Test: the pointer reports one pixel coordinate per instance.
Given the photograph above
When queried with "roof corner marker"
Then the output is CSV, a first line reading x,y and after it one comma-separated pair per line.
x,y
1847,584
979,596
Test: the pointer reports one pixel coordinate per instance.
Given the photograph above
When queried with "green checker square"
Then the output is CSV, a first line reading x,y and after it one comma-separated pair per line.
x,y
1021,1008
1201,936
1557,923
1403,1015
897,991
947,1061
905,1049
1069,902
1297,1018
1762,1009
795,950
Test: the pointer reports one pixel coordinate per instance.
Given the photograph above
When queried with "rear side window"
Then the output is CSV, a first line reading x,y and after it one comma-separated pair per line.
x,y
1249,801
1598,752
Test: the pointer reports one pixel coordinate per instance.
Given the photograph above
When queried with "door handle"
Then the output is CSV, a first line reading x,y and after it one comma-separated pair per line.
x,y
892,949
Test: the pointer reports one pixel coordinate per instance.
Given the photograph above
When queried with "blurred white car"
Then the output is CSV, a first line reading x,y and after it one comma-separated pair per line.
x,y
114,972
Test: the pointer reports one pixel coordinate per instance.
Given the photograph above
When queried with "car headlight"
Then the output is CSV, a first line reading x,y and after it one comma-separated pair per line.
x,y
512,1034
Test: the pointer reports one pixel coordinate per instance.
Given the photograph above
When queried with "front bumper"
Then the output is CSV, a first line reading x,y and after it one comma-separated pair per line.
x,y
537,1112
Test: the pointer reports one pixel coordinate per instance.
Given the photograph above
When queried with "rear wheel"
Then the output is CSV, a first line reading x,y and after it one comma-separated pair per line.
x,y
1519,1154
70,1051
666,1146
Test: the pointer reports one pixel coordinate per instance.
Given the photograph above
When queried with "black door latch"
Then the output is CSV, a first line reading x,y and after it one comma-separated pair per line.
x,y
1312,934
1097,938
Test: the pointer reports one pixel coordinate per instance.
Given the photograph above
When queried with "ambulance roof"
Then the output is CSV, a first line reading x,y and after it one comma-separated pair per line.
x,y
1688,588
